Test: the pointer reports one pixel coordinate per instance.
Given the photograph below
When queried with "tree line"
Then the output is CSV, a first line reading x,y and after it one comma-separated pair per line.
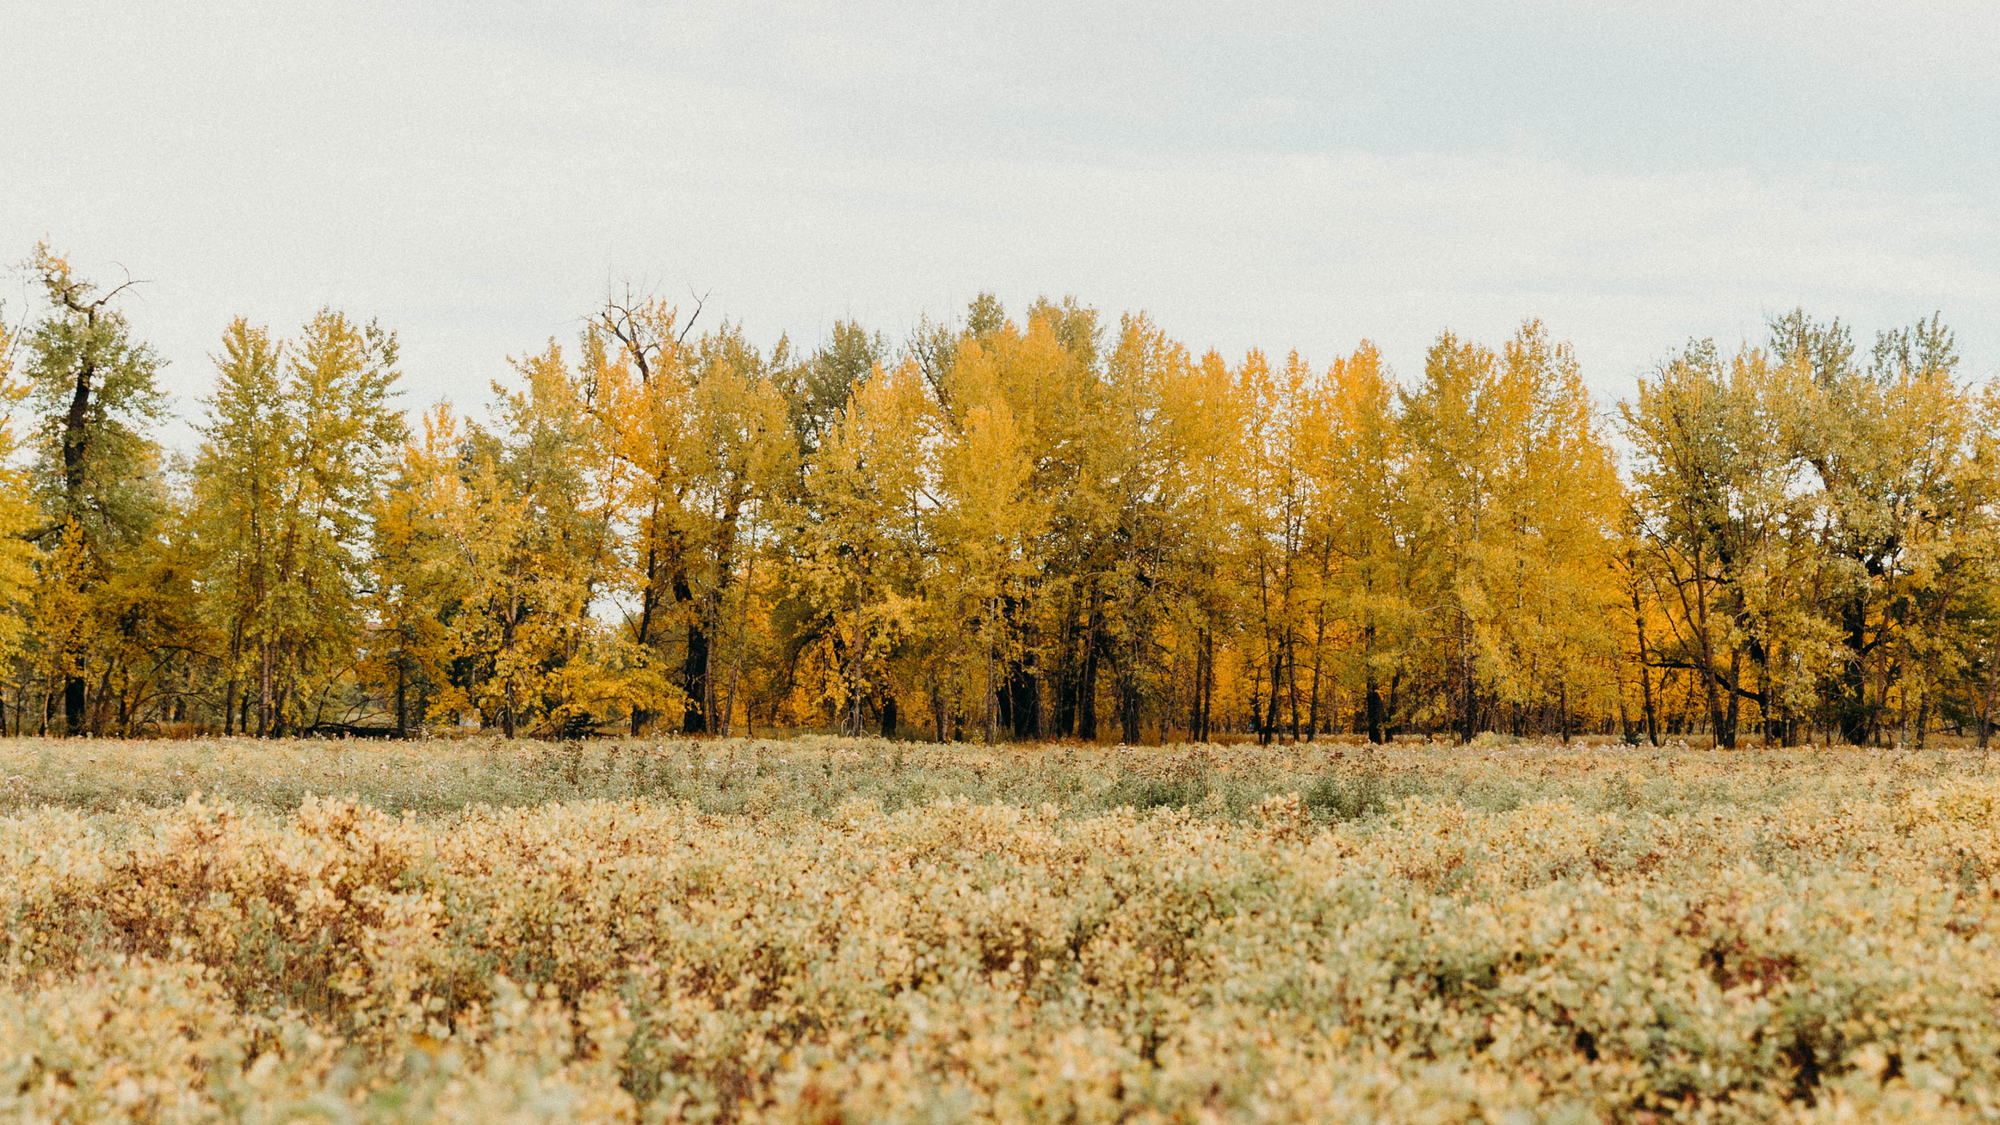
x,y
1009,527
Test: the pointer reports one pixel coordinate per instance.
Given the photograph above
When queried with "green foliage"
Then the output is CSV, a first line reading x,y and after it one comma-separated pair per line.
x,y
284,493
92,386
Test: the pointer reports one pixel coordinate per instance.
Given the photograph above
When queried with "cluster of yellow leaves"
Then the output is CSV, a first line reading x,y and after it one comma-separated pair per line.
x,y
1817,958
17,511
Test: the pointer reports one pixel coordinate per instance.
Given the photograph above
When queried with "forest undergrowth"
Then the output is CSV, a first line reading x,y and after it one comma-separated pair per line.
x,y
854,930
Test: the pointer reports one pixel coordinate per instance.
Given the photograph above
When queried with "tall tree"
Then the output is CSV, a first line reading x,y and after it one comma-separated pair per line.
x,y
853,539
698,439
96,470
19,518
1365,531
285,485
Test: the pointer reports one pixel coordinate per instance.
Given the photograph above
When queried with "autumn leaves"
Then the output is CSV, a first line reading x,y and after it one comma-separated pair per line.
x,y
1021,527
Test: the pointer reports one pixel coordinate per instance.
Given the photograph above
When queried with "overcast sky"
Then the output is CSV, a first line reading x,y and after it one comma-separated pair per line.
x,y
1285,176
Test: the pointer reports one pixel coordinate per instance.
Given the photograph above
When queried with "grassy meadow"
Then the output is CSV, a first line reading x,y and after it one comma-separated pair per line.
x,y
850,930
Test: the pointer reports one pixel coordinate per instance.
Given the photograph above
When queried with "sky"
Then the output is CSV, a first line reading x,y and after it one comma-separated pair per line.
x,y
477,176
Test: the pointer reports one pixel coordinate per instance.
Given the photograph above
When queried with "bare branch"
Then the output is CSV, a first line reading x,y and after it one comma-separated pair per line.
x,y
700,301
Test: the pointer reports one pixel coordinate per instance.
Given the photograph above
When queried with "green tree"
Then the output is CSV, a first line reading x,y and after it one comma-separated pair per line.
x,y
285,484
96,471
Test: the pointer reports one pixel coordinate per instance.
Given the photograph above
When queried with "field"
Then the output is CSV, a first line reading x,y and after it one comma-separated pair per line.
x,y
847,930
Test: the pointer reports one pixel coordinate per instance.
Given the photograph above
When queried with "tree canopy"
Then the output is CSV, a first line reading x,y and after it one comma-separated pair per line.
x,y
1035,524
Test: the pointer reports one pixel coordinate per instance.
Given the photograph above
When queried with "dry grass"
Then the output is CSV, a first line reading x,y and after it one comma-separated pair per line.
x,y
827,930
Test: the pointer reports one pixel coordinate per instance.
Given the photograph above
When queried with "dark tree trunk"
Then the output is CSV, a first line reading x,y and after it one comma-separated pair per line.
x,y
649,599
1645,671
1207,680
1726,737
1128,710
1563,692
1389,709
1374,709
1086,688
1023,699
402,701
1470,715
73,702
694,666
1268,732
1851,710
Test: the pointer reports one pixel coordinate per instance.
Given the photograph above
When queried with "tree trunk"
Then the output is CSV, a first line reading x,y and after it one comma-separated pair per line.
x,y
1851,709
1268,733
1645,671
1086,690
1128,710
1292,685
1625,731
694,663
1209,683
263,689
1986,698
1372,688
992,701
649,598
1465,678
402,699
1319,658
1726,737
73,703
1709,675
1128,693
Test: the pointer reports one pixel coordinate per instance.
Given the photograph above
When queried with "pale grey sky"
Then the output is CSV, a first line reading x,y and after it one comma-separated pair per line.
x,y
1280,175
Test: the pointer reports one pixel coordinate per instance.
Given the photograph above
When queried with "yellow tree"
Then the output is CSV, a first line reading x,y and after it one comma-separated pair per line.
x,y
697,436
538,532
1210,417
986,523
18,519
1942,501
1518,499
284,490
1281,503
418,575
1886,445
853,536
1546,562
1355,454
1973,622
239,473
492,547
1445,421
1020,395
1136,529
